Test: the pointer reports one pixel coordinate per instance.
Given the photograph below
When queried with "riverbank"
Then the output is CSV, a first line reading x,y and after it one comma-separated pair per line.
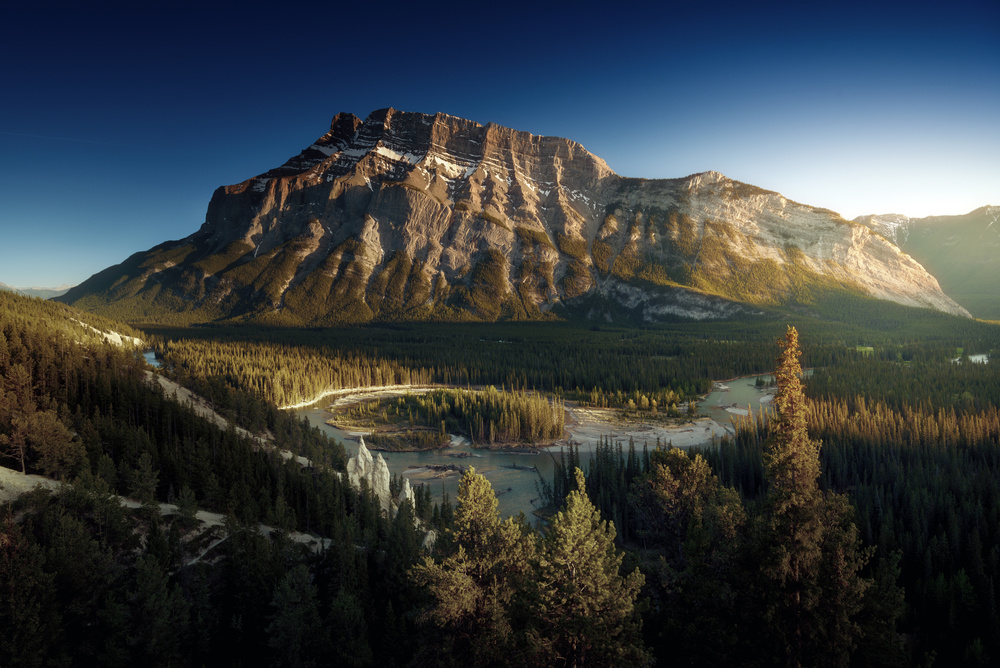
x,y
519,469
388,427
585,426
357,394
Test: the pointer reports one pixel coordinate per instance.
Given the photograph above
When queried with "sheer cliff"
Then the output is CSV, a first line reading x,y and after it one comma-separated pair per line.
x,y
414,216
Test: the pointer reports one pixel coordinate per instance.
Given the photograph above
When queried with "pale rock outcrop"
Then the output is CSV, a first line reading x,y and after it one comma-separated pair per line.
x,y
406,494
430,539
375,471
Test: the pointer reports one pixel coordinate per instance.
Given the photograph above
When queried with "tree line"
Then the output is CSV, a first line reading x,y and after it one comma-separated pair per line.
x,y
782,578
87,580
602,365
488,417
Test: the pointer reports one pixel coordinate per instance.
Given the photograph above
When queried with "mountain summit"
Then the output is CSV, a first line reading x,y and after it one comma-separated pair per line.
x,y
415,216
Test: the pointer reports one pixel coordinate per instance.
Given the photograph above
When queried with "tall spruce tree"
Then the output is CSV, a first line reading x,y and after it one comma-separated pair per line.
x,y
812,550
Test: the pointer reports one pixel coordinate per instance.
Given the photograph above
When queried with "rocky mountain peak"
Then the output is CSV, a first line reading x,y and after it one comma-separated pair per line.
x,y
412,215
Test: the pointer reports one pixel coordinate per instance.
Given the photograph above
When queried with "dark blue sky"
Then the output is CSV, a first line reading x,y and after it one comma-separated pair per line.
x,y
119,121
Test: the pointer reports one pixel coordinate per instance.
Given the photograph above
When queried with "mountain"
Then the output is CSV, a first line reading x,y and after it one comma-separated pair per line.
x,y
46,293
41,293
414,216
963,252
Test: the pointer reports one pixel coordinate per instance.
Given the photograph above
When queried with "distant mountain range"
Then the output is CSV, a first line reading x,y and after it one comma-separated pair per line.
x,y
414,216
962,252
43,293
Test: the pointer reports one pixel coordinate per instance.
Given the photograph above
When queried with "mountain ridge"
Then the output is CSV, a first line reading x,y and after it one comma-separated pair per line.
x,y
38,291
962,252
416,216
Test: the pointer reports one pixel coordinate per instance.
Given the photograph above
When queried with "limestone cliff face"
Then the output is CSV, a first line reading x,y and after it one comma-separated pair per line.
x,y
407,215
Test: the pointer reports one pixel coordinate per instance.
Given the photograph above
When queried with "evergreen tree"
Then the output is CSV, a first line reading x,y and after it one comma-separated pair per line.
x,y
187,507
810,546
295,630
349,631
59,454
17,406
473,589
696,525
144,481
584,610
30,626
158,616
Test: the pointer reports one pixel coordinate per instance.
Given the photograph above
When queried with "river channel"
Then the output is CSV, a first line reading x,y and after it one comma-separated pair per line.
x,y
515,476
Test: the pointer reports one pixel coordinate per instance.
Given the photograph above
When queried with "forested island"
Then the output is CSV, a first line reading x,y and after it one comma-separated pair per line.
x,y
489,417
858,525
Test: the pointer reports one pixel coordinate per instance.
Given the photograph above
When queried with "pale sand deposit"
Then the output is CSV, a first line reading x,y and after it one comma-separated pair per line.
x,y
586,426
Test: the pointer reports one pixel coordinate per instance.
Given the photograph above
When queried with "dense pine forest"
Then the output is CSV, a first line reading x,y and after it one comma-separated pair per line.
x,y
87,581
489,417
856,526
599,364
921,468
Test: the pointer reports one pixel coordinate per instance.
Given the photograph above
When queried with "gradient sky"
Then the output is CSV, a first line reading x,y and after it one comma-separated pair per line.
x,y
118,121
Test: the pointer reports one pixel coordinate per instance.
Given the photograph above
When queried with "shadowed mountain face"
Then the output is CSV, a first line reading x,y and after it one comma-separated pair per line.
x,y
963,252
413,216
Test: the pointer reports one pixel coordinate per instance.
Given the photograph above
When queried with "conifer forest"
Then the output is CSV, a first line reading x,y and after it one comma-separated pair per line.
x,y
187,515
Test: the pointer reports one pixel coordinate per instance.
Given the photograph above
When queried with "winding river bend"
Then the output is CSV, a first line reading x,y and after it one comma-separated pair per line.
x,y
514,476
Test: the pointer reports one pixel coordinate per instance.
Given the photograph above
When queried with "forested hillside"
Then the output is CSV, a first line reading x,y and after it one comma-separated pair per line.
x,y
88,582
880,550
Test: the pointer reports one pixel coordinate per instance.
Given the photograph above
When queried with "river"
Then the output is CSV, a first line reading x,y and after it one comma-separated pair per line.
x,y
736,397
517,488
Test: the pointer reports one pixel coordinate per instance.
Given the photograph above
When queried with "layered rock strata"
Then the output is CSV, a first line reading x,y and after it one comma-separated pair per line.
x,y
416,216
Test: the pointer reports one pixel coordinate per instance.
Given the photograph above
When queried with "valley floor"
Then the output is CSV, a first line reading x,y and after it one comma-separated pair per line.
x,y
585,426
